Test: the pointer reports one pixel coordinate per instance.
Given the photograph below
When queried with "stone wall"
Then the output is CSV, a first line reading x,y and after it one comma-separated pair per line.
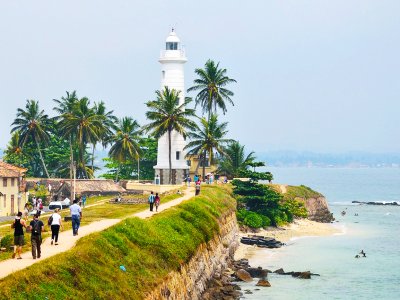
x,y
209,260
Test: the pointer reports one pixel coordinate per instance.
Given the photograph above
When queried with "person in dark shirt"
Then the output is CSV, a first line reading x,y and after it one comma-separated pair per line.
x,y
18,226
36,227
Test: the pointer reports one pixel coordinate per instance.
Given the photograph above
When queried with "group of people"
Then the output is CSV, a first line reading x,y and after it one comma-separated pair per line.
x,y
154,200
36,227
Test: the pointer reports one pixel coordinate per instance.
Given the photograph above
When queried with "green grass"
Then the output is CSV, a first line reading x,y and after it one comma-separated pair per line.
x,y
301,191
90,214
149,249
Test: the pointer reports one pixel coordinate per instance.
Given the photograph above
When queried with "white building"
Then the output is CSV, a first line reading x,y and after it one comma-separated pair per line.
x,y
172,61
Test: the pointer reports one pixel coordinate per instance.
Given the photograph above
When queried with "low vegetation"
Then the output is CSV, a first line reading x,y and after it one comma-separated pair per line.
x,y
261,205
148,250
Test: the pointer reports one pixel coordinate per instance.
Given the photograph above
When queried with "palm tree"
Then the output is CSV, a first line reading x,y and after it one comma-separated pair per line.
x,y
208,139
109,121
235,160
32,123
211,86
167,115
124,141
64,107
83,124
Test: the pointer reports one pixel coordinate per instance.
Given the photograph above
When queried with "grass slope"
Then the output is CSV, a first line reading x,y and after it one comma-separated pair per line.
x,y
149,250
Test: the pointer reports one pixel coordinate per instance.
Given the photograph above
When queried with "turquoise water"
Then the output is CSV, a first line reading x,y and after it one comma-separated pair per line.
x,y
376,230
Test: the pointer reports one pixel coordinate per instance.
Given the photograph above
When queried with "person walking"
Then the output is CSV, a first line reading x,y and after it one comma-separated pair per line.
x,y
157,201
36,227
83,200
26,211
198,184
18,226
55,226
34,202
188,180
76,215
151,200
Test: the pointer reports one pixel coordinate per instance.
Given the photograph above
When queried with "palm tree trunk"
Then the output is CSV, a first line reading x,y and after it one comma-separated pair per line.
x,y
41,158
204,165
116,176
169,156
94,146
71,166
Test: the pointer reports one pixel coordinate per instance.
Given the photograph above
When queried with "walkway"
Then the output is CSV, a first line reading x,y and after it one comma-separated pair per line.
x,y
67,240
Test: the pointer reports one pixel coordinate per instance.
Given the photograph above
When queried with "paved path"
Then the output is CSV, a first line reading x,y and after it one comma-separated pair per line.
x,y
67,240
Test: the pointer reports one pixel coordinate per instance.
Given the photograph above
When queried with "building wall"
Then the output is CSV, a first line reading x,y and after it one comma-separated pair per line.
x,y
7,205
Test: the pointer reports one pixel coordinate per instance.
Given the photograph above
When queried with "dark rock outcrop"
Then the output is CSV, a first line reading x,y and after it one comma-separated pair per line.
x,y
261,241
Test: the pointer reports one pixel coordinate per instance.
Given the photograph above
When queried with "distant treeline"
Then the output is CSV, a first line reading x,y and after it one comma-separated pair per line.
x,y
353,159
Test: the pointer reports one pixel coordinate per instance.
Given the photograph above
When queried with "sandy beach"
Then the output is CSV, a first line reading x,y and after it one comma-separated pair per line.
x,y
299,228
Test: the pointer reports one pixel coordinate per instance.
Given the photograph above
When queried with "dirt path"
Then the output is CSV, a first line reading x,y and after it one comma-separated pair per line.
x,y
67,240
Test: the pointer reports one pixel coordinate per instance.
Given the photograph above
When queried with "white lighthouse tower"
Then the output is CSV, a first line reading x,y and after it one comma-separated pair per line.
x,y
172,61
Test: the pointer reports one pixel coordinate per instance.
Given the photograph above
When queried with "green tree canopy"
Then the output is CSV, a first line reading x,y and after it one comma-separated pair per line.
x,y
211,86
166,115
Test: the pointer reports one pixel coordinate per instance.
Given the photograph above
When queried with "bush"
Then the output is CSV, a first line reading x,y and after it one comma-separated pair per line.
x,y
266,221
7,241
253,220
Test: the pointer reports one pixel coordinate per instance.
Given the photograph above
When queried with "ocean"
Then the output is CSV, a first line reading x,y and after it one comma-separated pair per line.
x,y
374,229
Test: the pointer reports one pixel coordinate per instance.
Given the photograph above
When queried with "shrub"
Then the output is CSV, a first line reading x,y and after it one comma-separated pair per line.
x,y
266,221
6,241
253,220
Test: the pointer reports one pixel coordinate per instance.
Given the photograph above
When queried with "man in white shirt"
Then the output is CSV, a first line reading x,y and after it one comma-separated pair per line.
x,y
76,215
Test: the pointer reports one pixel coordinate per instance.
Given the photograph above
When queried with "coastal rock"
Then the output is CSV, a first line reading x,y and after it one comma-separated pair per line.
x,y
258,272
279,271
318,210
263,282
261,241
243,275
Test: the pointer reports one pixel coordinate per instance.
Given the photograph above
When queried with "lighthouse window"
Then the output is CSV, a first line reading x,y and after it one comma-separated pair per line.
x,y
163,74
178,154
172,46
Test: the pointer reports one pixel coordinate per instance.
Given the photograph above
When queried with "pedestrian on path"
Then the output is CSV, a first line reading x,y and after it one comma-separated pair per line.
x,y
18,226
188,180
83,200
76,216
55,226
198,184
151,200
157,201
26,211
36,227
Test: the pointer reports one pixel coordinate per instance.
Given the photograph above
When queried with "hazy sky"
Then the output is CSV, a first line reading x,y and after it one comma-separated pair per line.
x,y
311,75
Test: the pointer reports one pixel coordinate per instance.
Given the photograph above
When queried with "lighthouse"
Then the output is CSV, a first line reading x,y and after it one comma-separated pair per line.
x,y
172,61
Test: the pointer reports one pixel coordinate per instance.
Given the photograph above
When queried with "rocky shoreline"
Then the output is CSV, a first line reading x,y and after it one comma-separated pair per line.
x,y
224,286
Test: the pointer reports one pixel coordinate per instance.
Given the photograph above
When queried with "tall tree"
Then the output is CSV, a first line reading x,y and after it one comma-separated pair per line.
x,y
211,84
208,139
85,125
64,107
124,141
105,132
235,160
32,124
167,115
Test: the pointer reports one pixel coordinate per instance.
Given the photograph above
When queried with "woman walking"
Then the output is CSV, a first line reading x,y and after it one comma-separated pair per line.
x,y
157,201
18,226
55,226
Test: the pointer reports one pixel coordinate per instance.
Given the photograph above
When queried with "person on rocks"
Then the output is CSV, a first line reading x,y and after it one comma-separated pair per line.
x,y
76,216
363,253
55,226
151,200
36,227
18,226
157,201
